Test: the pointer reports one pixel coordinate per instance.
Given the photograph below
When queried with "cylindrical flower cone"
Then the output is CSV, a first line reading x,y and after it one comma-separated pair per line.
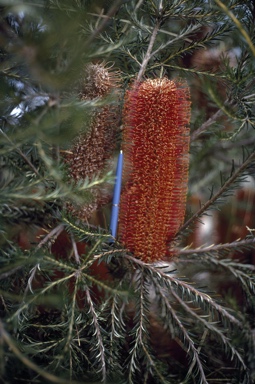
x,y
156,145
91,151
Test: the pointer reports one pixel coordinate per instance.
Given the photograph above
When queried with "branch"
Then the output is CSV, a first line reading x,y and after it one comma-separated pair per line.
x,y
100,28
75,250
178,37
148,55
211,201
55,232
24,157
205,125
185,334
41,293
99,345
46,375
188,288
238,25
217,247
210,326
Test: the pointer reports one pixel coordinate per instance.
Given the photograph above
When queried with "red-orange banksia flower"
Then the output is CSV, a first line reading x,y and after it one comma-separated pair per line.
x,y
156,145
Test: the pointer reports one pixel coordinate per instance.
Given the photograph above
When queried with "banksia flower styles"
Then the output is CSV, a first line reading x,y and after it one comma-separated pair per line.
x,y
92,150
156,144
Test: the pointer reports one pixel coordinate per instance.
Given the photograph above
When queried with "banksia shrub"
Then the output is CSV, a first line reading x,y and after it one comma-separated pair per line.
x,y
91,151
156,144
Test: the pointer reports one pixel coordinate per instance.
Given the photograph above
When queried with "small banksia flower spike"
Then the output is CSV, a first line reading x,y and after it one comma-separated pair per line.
x,y
156,145
91,150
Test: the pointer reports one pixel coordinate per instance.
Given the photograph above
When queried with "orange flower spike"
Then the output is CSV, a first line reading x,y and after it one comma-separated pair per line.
x,y
156,145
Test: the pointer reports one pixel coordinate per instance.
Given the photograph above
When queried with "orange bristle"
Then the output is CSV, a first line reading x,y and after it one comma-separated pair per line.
x,y
156,145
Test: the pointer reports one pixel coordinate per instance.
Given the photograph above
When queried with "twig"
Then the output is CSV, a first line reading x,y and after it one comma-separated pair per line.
x,y
238,24
217,247
191,346
218,194
188,287
11,272
138,5
20,152
111,12
147,56
97,334
202,341
12,346
75,250
205,125
178,37
55,232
